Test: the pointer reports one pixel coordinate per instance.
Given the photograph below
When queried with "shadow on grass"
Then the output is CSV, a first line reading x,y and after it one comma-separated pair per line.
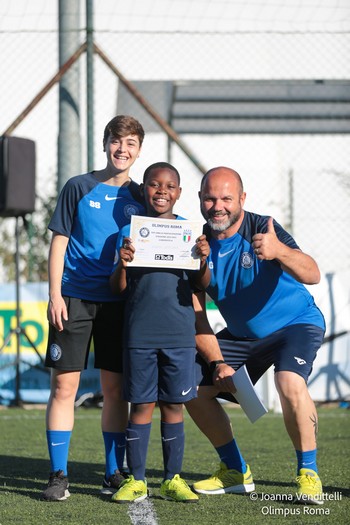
x,y
28,477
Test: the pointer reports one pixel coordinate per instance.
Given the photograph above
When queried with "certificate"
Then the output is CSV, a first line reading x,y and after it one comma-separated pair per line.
x,y
165,243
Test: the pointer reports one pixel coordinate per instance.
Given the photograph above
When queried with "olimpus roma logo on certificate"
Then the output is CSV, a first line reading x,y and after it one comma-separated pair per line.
x,y
165,243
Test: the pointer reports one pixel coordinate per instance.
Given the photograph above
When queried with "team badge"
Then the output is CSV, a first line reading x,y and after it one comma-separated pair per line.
x,y
144,232
55,352
246,260
129,210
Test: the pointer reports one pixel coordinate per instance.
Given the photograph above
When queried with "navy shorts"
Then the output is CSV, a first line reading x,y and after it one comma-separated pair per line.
x,y
164,374
291,349
88,320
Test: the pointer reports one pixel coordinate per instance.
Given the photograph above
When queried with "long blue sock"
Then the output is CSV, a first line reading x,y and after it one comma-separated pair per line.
x,y
173,445
114,451
307,459
231,456
58,446
137,438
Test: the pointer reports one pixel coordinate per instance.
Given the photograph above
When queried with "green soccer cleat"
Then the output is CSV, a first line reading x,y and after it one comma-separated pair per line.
x,y
309,489
131,491
176,489
226,480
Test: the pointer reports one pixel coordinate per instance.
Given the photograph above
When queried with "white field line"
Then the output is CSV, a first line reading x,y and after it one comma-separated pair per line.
x,y
143,513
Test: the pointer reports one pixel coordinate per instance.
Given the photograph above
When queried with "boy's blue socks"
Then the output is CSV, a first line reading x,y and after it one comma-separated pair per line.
x,y
58,446
307,459
137,438
173,445
114,451
231,456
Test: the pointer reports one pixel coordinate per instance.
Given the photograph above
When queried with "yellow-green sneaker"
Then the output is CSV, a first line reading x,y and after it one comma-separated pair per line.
x,y
131,491
176,489
309,489
226,480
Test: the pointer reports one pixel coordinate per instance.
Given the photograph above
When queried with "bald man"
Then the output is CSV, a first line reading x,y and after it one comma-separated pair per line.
x,y
257,282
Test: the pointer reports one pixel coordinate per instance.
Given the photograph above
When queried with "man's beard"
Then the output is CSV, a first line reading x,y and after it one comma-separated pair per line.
x,y
222,226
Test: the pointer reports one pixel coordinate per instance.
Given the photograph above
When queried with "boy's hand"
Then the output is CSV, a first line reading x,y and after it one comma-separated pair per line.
x,y
202,248
127,251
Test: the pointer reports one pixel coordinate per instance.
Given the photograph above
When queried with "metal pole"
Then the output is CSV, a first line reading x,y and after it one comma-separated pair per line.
x,y
49,85
69,142
151,111
18,321
90,84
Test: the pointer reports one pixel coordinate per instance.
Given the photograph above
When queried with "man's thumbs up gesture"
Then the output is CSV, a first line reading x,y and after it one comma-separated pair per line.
x,y
266,245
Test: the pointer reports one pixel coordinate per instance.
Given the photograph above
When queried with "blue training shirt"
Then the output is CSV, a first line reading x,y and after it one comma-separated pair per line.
x,y
91,214
159,310
256,298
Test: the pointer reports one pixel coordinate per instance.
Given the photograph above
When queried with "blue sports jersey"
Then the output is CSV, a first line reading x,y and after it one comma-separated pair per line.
x,y
159,310
91,214
256,298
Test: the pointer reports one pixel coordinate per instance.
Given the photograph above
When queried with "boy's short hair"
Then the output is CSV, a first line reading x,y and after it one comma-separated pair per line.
x,y
164,165
122,126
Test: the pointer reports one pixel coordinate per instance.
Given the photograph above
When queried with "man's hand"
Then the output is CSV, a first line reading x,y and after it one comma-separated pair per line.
x,y
267,245
222,378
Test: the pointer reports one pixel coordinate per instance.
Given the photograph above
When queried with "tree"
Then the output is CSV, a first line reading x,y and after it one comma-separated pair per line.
x,y
34,240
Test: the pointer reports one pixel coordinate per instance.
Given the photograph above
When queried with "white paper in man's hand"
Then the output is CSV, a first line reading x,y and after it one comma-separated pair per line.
x,y
247,396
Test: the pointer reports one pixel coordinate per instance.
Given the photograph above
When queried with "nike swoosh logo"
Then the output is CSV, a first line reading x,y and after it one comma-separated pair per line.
x,y
131,439
123,446
56,444
108,198
226,253
185,392
169,439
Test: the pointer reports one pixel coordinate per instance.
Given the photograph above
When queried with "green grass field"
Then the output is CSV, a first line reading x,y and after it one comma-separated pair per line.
x,y
24,468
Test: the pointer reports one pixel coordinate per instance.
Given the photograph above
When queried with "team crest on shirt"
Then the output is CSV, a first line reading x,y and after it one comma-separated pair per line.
x,y
55,352
129,210
246,260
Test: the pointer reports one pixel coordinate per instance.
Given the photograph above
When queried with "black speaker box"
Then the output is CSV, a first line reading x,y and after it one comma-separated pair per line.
x,y
17,176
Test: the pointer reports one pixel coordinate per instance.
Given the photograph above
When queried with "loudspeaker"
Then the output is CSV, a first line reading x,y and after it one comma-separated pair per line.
x,y
17,176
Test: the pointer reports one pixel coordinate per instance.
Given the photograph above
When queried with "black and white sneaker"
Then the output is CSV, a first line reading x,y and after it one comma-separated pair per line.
x,y
57,487
112,484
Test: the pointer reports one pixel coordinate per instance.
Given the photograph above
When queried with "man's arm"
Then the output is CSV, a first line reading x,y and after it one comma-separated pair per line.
x,y
206,342
208,346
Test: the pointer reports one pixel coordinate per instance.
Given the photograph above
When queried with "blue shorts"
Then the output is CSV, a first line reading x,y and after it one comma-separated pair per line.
x,y
164,374
291,349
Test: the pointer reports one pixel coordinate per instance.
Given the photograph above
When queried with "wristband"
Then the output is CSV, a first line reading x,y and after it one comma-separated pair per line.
x,y
213,365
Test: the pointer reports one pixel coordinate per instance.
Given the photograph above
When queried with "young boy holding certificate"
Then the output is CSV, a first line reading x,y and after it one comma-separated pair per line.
x,y
160,348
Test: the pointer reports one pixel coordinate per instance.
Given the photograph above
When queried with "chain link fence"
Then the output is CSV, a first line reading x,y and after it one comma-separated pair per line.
x,y
263,88
301,178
